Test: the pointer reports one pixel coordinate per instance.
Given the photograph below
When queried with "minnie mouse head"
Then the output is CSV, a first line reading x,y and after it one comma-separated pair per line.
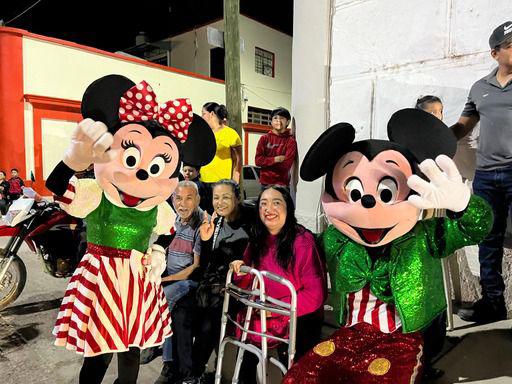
x,y
366,187
150,140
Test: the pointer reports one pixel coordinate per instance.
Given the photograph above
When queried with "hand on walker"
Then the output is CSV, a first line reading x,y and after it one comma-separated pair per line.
x,y
235,266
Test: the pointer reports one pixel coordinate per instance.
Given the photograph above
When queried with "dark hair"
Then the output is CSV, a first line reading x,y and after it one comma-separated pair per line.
x,y
196,167
234,186
423,101
286,237
14,169
2,171
280,111
219,109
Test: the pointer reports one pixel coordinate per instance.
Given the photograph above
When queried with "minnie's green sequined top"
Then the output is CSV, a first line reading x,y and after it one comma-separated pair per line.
x,y
410,275
114,226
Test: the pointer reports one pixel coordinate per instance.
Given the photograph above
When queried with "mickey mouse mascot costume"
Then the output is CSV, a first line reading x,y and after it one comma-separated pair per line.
x,y
384,264
114,301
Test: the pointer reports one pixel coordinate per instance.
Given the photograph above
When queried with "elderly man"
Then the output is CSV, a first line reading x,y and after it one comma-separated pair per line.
x,y
182,259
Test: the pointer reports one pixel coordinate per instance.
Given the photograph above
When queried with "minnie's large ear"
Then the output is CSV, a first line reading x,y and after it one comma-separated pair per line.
x,y
326,151
101,99
200,147
421,133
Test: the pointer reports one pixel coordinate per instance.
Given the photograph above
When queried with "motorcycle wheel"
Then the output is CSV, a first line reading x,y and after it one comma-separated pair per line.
x,y
13,282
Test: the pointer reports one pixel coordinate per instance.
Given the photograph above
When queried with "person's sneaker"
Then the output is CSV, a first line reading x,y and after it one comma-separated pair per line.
x,y
167,376
149,354
484,311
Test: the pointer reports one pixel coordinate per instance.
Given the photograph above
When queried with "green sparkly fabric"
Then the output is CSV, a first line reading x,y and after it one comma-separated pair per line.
x,y
410,275
121,228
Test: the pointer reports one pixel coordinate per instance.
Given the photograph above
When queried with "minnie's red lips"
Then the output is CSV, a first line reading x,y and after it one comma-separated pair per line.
x,y
372,235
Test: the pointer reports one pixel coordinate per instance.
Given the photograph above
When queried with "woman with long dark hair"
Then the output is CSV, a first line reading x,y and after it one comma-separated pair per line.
x,y
281,246
227,163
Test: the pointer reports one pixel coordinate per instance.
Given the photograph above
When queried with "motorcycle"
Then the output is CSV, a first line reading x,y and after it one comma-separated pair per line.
x,y
49,232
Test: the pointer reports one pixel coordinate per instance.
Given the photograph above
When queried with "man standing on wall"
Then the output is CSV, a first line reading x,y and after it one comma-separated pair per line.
x,y
276,151
490,103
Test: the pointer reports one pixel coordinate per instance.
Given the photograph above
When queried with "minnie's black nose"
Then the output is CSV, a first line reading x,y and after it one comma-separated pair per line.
x,y
142,174
368,201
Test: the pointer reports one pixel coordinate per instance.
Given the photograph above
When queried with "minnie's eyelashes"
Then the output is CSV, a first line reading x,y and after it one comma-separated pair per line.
x,y
167,158
128,144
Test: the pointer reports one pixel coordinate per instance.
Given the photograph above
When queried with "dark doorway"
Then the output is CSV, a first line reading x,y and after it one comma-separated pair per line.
x,y
217,63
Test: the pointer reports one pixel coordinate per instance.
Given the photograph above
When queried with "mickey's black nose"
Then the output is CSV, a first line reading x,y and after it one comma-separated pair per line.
x,y
368,201
142,174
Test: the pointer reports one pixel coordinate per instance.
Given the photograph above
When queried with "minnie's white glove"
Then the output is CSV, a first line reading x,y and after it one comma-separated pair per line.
x,y
157,264
445,189
90,142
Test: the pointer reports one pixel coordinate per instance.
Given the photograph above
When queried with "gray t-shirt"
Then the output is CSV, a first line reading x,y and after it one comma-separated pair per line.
x,y
493,104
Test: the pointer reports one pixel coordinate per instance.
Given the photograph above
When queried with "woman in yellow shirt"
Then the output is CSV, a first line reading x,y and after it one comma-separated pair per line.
x,y
227,163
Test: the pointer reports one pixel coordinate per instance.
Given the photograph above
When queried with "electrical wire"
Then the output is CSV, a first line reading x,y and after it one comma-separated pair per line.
x,y
25,11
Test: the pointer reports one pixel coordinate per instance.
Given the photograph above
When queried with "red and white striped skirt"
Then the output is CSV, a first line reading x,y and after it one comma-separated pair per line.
x,y
110,306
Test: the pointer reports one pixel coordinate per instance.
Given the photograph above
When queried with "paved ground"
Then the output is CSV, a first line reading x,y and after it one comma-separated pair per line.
x,y
483,354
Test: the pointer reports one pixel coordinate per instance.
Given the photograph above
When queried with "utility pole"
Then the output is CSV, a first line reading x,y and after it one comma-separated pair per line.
x,y
232,66
232,63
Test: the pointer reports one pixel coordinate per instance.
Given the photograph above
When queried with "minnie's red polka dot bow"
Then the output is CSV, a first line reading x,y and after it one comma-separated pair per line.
x,y
139,104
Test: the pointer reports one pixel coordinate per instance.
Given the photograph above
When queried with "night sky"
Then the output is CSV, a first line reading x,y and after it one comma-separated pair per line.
x,y
91,23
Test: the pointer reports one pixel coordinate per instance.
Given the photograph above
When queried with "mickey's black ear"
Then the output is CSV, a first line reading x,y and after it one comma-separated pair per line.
x,y
326,151
200,147
101,99
421,133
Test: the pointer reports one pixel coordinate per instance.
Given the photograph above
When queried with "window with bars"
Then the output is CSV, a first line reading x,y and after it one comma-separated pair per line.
x,y
264,62
259,116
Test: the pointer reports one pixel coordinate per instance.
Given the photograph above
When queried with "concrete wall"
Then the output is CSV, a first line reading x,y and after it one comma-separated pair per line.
x,y
385,54
310,94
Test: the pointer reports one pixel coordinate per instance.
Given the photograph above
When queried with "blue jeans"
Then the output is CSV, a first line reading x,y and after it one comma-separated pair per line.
x,y
495,186
173,293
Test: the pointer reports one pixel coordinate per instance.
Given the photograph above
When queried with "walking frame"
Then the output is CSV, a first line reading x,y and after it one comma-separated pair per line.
x,y
256,298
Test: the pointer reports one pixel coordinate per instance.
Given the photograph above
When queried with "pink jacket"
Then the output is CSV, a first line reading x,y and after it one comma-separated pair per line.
x,y
307,275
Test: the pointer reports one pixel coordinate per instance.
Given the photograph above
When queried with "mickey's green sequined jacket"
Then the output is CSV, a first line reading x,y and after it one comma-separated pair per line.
x,y
410,276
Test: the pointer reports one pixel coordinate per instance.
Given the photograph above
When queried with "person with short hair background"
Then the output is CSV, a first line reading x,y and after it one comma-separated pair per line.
x,y
15,185
276,151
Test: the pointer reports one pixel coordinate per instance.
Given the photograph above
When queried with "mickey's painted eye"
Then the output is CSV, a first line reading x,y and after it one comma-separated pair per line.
x,y
156,167
354,189
131,157
387,190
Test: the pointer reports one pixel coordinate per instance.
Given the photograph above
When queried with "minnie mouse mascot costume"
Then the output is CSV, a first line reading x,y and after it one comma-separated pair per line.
x,y
114,301
384,264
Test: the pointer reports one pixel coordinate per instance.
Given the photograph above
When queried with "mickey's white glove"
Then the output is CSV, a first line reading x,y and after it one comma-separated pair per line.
x,y
157,264
445,189
89,144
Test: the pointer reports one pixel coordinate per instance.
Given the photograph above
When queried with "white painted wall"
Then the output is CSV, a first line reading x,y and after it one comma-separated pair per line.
x,y
191,52
385,54
60,71
265,91
56,70
310,92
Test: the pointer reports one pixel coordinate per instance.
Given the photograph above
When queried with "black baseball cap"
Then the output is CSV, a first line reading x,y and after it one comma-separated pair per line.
x,y
501,34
